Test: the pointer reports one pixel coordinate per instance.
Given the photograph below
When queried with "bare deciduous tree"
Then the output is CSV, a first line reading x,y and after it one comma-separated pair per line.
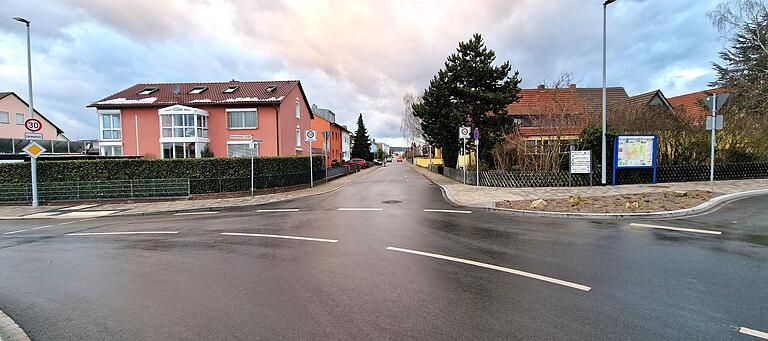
x,y
410,125
730,17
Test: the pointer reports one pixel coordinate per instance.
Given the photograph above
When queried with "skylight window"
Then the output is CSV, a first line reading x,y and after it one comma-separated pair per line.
x,y
147,91
198,89
230,89
271,88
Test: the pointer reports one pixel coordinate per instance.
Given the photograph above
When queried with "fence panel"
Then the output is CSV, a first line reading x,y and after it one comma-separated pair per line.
x,y
93,190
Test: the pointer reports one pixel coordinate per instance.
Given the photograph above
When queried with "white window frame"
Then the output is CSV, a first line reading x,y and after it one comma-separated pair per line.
x,y
7,119
20,122
298,108
199,146
119,130
197,89
230,89
254,110
112,145
298,137
257,147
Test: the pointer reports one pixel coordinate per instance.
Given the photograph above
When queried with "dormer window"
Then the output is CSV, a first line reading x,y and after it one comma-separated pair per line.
x,y
147,91
198,89
271,88
230,89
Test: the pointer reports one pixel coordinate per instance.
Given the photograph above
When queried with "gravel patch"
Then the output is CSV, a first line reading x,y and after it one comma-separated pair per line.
x,y
624,203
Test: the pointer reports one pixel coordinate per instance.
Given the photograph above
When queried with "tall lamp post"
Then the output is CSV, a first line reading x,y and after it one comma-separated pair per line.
x,y
33,160
602,165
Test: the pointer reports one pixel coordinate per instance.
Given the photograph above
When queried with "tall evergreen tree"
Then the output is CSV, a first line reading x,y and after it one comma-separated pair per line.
x,y
469,91
361,143
746,66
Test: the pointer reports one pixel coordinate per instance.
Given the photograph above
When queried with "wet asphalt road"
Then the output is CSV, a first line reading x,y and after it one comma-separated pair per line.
x,y
646,284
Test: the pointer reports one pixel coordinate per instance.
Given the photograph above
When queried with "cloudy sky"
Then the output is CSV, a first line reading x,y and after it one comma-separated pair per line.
x,y
351,56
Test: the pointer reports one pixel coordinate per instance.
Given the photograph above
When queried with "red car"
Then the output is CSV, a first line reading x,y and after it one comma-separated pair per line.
x,y
359,162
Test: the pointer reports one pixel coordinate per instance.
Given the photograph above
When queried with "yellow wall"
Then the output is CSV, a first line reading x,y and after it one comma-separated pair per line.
x,y
424,162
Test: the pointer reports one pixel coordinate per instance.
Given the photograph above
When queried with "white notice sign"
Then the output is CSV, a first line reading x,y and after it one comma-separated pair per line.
x,y
581,162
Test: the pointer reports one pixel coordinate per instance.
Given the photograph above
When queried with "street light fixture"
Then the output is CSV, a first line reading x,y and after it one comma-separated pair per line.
x,y
31,107
602,165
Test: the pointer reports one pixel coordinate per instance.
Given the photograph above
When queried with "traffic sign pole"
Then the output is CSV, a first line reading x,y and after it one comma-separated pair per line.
x,y
477,156
464,156
712,153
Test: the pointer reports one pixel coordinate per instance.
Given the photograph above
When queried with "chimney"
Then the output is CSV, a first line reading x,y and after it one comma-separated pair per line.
x,y
542,86
572,86
177,89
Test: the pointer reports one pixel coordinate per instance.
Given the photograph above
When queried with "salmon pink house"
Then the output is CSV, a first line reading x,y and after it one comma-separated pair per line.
x,y
188,120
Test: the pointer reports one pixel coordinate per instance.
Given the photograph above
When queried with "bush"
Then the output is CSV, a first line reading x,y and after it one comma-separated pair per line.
x,y
131,169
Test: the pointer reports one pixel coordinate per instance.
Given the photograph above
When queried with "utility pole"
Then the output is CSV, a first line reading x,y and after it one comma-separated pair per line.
x,y
603,161
33,161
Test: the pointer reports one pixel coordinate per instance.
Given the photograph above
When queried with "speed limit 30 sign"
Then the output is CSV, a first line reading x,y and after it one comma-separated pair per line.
x,y
33,124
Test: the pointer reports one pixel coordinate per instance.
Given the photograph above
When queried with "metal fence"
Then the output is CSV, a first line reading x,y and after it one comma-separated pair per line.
x,y
14,146
159,188
93,190
664,174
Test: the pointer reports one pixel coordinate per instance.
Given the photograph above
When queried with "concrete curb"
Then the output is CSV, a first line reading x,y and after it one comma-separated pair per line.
x,y
198,209
706,207
9,330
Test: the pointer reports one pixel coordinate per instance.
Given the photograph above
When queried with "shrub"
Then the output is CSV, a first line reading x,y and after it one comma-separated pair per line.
x,y
130,169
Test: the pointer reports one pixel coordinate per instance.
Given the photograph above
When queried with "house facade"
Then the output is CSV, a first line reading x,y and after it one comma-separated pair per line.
x,y
346,144
14,111
188,120
324,120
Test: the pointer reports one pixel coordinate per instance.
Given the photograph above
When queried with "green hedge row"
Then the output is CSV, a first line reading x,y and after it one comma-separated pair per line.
x,y
131,169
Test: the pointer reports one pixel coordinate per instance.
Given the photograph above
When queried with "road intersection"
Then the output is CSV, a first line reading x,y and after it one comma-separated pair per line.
x,y
387,258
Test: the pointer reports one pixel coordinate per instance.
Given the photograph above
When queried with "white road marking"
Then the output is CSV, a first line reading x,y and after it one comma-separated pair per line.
x,y
44,227
41,215
17,231
496,267
119,233
278,210
86,214
79,207
359,209
752,332
675,228
279,236
196,213
447,211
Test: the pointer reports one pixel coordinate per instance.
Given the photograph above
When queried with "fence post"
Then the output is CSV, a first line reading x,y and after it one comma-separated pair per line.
x,y
78,191
189,189
131,184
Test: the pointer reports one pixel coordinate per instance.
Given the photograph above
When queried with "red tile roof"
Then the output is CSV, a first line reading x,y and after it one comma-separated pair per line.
x,y
692,106
247,93
534,102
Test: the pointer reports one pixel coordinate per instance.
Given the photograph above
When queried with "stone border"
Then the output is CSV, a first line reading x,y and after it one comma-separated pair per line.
x,y
10,331
706,207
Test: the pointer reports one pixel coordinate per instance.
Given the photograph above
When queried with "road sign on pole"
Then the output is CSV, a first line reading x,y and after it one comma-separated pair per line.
x,y
464,132
33,125
309,136
34,150
253,147
476,135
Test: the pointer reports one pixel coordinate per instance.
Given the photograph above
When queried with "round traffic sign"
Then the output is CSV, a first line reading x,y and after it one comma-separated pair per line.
x,y
33,124
310,134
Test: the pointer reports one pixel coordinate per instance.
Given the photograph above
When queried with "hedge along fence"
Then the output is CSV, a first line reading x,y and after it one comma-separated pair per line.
x,y
133,169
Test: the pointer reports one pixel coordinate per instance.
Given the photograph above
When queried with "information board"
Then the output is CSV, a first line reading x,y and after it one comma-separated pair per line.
x,y
635,151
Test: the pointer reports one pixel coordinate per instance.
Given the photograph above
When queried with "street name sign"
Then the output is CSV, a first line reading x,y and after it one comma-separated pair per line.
x,y
581,162
464,132
33,149
718,122
33,136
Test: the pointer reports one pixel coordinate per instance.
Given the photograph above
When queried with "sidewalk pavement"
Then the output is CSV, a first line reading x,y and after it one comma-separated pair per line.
x,y
474,196
105,208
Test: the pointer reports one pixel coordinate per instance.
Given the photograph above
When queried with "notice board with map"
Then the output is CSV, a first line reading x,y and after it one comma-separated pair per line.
x,y
635,151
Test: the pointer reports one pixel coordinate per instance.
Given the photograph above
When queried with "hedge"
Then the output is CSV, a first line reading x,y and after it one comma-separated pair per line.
x,y
132,169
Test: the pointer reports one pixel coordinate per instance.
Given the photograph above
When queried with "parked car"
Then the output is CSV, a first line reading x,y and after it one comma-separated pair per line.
x,y
399,159
378,162
358,162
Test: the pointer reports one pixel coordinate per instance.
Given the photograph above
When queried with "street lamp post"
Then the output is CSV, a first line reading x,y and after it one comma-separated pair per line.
x,y
33,160
603,163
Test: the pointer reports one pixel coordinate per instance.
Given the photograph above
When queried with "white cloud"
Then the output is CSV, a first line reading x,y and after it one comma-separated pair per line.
x,y
351,56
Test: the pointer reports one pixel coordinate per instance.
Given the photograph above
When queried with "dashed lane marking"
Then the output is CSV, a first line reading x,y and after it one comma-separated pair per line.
x,y
359,209
496,267
17,231
278,210
752,332
196,213
447,211
681,229
120,233
279,236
